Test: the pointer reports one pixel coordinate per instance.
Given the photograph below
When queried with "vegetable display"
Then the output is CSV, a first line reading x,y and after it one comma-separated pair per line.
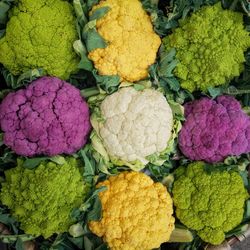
x,y
134,127
125,124
214,129
212,204
40,34
210,47
43,198
137,213
131,43
48,117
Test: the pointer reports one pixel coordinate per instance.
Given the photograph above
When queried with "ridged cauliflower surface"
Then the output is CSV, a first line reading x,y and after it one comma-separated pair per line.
x,y
212,204
136,212
40,34
132,42
48,117
42,199
210,47
214,129
136,124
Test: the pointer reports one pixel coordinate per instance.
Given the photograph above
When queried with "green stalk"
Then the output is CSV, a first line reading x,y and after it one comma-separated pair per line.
x,y
86,93
181,235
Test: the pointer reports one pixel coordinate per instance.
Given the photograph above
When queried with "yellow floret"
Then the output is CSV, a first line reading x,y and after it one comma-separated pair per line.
x,y
136,212
132,42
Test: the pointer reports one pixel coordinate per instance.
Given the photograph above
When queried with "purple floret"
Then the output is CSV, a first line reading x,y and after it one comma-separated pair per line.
x,y
49,117
214,129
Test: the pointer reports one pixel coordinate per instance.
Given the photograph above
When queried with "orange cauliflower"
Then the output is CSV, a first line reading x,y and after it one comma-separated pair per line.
x,y
136,212
132,42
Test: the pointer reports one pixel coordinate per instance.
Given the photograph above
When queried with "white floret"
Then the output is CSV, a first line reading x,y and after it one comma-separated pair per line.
x,y
137,124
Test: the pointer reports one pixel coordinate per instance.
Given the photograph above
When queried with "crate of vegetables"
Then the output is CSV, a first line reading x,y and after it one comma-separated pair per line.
x,y
124,124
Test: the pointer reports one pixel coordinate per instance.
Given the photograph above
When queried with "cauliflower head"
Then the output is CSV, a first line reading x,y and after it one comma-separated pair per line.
x,y
132,42
40,34
42,199
214,129
136,212
134,125
48,117
210,47
212,204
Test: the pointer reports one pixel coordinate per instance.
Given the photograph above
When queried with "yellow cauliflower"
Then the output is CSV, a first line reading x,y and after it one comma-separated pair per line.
x,y
132,42
136,213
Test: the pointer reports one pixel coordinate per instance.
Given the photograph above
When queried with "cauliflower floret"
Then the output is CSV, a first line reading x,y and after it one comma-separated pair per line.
x,y
214,129
42,199
136,212
137,124
48,117
212,204
210,47
132,43
40,34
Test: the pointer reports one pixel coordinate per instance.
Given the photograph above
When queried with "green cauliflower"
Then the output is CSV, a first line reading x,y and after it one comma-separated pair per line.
x,y
210,47
40,34
212,204
42,199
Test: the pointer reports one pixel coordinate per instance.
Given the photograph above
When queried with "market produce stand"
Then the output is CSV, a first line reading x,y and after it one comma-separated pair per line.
x,y
124,124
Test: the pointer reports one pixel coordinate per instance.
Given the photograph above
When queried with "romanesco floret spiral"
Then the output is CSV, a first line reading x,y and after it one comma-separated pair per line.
x,y
210,47
212,204
42,199
40,34
136,212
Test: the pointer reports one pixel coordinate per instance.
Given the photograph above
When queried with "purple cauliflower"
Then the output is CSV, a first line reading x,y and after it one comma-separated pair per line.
x,y
214,129
49,117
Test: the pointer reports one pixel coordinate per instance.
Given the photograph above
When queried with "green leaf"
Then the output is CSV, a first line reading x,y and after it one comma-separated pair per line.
x,y
99,13
214,92
89,167
7,159
8,239
173,83
80,49
4,8
94,40
24,79
29,76
138,87
79,241
19,244
109,84
96,212
88,245
60,160
91,3
9,221
32,163
80,14
2,33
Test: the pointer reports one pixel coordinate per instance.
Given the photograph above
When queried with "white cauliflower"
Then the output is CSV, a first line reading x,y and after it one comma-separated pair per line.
x,y
133,125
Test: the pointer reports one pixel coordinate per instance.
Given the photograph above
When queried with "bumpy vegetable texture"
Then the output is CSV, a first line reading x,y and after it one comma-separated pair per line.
x,y
42,199
214,129
210,47
132,43
134,127
40,34
48,117
136,212
212,204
